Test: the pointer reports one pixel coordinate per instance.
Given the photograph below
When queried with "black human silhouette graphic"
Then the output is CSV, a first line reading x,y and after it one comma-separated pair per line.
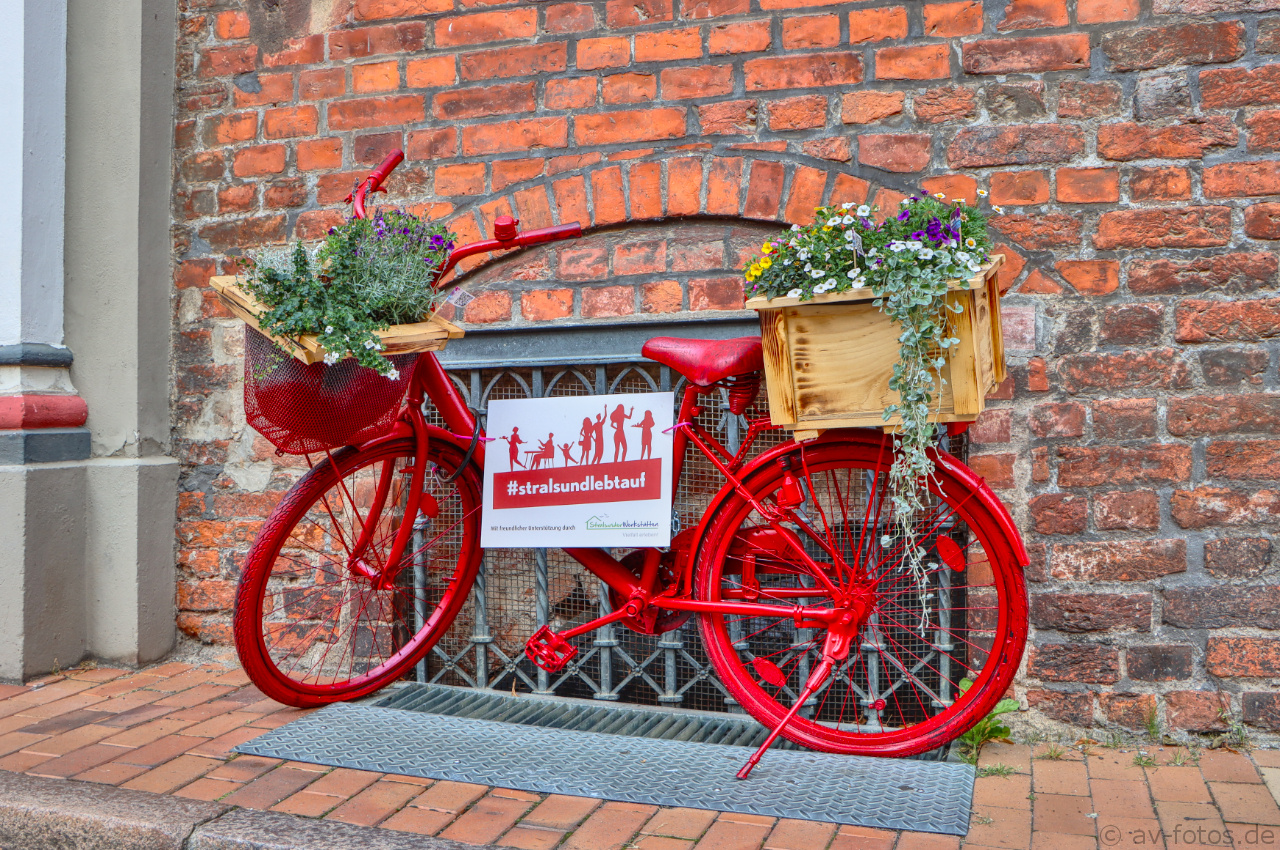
x,y
585,442
618,420
546,451
646,434
564,450
597,434
514,443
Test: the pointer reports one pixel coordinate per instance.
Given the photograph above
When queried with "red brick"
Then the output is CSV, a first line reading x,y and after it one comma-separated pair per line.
x,y
376,112
798,113
809,31
1244,557
1044,230
465,179
230,128
433,144
1264,130
951,103
432,72
515,61
482,102
751,37
1137,510
1118,560
233,24
1019,188
1196,711
1243,321
1114,465
1234,87
640,257
596,53
544,305
632,13
493,306
1027,55
1237,272
1078,662
995,469
802,72
636,126
1048,421
1034,14
571,94
487,26
897,152
668,45
866,25
1135,141
297,51
734,117
713,8
923,62
1088,100
1244,460
665,296
1185,44
1015,145
704,81
948,20
1220,507
288,122
227,61
806,195
720,293
1076,613
1262,221
373,10
1090,277
514,136
570,17
375,77
868,107
764,191
1088,185
1184,227
1242,179
318,84
1106,11
628,88
259,161
1147,184
1059,513
1131,324
605,301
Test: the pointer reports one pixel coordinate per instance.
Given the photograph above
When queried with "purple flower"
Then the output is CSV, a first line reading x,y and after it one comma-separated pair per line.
x,y
904,215
332,230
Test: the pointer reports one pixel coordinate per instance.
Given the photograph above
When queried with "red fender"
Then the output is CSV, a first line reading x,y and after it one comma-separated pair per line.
x,y
867,436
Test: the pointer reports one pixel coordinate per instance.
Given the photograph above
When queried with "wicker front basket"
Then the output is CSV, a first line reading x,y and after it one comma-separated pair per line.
x,y
431,335
828,361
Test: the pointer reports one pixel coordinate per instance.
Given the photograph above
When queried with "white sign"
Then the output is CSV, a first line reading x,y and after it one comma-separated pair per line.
x,y
579,471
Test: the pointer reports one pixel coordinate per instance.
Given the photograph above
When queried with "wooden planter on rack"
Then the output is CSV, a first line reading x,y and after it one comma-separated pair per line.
x,y
431,335
828,361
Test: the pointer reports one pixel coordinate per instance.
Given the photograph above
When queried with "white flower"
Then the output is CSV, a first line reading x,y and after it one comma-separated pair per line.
x,y
797,227
864,210
786,262
330,358
848,235
816,273
897,246
962,256
971,242
795,293
926,254
973,267
848,219
832,222
370,344
853,274
846,206
982,193
803,254
394,373
915,245
997,209
328,329
871,253
808,267
831,283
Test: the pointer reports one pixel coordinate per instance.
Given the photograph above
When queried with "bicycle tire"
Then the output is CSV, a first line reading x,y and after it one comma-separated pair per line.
x,y
899,691
299,601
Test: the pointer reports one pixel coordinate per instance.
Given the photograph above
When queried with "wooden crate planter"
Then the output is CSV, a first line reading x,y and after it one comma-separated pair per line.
x,y
828,361
431,335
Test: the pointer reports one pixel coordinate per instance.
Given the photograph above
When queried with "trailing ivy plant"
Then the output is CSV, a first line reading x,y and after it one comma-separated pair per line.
x,y
906,260
367,275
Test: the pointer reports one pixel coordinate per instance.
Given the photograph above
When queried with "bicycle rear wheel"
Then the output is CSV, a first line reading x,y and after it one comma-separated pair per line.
x,y
312,623
900,690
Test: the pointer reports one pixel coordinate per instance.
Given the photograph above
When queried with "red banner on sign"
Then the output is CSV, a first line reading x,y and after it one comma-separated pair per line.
x,y
627,481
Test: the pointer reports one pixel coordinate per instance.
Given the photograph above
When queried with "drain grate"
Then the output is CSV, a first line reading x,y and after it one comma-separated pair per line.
x,y
880,793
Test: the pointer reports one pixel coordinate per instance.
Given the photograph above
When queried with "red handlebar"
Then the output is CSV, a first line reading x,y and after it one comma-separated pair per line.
x,y
506,230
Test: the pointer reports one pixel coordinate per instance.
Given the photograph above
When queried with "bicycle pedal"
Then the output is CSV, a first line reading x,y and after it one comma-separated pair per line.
x,y
549,651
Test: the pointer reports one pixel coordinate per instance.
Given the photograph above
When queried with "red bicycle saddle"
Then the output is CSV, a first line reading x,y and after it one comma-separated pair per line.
x,y
706,361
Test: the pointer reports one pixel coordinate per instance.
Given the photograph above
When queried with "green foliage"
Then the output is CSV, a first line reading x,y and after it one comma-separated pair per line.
x,y
987,729
1054,753
996,770
906,261
367,275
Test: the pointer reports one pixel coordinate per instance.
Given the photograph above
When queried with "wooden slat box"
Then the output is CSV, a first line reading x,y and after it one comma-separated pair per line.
x,y
828,361
431,335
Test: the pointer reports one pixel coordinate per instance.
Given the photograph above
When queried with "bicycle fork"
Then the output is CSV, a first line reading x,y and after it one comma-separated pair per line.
x,y
383,574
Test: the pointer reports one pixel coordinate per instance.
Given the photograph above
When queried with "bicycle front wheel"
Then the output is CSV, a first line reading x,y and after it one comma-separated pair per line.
x,y
316,622
941,642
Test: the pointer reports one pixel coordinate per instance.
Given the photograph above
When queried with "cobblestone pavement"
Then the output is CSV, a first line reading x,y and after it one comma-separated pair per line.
x,y
170,730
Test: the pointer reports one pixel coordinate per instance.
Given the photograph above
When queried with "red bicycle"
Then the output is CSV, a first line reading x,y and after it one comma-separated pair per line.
x,y
796,571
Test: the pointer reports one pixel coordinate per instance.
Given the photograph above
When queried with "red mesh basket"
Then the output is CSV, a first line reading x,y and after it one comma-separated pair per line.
x,y
304,408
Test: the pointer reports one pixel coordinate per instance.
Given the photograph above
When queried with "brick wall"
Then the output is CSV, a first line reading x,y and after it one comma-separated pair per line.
x,y
1132,144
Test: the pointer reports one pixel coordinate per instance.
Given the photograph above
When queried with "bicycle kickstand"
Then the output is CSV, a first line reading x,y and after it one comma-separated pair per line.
x,y
816,678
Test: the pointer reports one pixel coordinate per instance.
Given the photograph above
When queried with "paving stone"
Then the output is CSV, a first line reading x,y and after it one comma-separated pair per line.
x,y
208,789
1178,785
927,841
1060,777
1063,813
74,762
610,826
537,838
680,823
1008,792
172,775
1128,832
37,812
245,768
270,788
862,838
1062,841
1122,798
995,827
307,804
65,722
111,773
1245,803
377,803
659,842
1113,764
1226,766
562,812
420,821
449,796
485,821
799,835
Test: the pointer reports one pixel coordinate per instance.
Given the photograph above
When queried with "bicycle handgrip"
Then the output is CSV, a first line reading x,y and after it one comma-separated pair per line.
x,y
388,165
549,234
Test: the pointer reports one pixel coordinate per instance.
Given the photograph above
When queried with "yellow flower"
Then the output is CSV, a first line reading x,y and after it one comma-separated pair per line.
x,y
826,227
765,263
755,269
766,248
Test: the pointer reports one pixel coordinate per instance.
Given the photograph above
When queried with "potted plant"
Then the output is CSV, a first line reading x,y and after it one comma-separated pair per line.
x,y
892,323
